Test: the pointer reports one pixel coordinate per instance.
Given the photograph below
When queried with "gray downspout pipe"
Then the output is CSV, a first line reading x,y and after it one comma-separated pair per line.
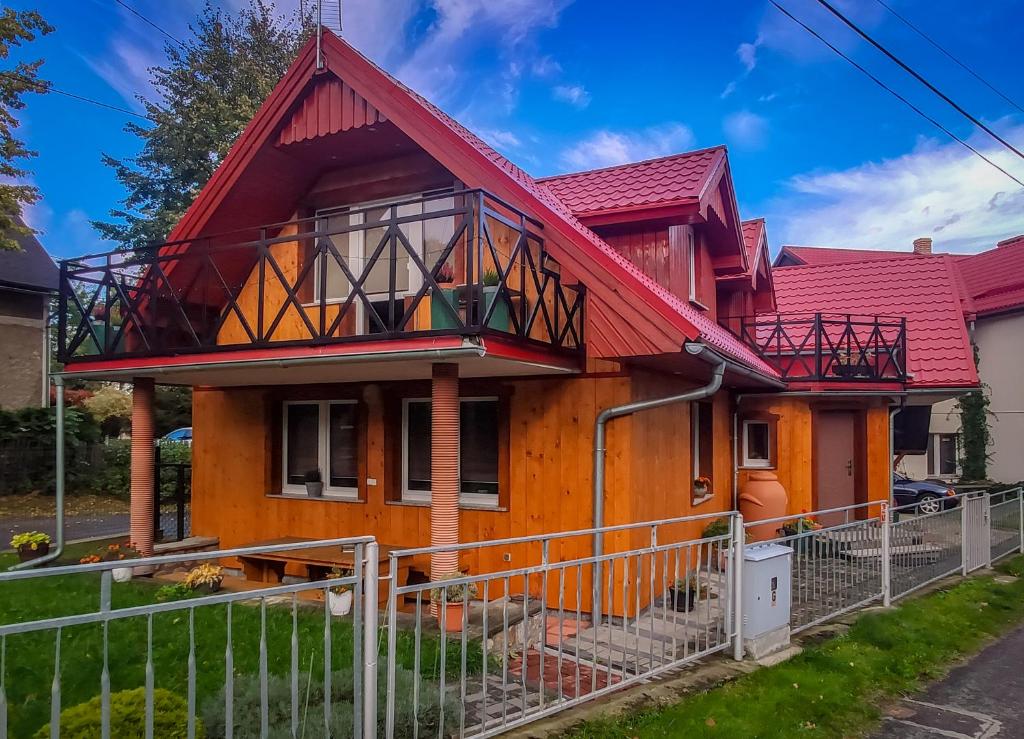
x,y
54,553
698,350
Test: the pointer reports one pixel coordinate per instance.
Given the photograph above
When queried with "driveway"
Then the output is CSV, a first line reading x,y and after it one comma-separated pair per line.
x,y
978,700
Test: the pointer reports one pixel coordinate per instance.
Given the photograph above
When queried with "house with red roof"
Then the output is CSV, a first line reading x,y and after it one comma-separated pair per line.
x,y
989,287
391,329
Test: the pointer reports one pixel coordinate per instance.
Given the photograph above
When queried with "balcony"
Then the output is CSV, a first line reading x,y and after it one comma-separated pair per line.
x,y
826,347
448,264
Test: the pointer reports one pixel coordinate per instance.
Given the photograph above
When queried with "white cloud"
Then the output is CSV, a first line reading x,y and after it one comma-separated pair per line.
x,y
545,66
746,130
937,190
499,138
747,52
606,148
575,95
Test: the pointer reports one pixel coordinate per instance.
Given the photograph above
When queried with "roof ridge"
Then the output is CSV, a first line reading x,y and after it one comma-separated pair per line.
x,y
651,160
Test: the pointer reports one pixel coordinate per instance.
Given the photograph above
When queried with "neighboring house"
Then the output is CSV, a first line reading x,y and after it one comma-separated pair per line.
x,y
28,277
366,289
990,286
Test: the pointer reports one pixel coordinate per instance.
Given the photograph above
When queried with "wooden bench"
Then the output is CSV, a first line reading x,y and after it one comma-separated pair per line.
x,y
269,567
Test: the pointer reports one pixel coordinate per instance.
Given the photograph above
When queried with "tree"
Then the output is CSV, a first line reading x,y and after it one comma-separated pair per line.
x,y
16,27
208,91
112,408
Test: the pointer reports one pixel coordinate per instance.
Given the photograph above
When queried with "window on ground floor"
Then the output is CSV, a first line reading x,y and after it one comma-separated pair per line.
x,y
702,460
478,450
942,455
321,436
757,443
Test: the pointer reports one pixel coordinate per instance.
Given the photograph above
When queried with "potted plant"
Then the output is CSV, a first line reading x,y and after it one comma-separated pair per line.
x,y
339,597
314,484
850,364
701,487
114,553
799,526
719,549
454,597
31,545
499,318
444,307
683,593
206,576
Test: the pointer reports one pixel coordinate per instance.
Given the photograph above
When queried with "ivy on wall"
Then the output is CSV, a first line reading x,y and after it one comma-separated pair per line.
x,y
975,433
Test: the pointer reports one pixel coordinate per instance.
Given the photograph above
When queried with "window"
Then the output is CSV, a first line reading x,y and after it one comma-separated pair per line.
x,y
757,444
691,264
321,435
478,450
701,431
942,450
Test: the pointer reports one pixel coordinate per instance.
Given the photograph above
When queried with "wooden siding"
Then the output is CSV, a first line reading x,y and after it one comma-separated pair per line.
x,y
330,107
236,469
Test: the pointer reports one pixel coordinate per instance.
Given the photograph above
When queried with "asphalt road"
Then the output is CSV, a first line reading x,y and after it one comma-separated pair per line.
x,y
77,527
978,700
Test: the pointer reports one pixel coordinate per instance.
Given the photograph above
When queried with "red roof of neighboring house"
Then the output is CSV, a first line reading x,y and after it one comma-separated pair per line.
x,y
924,290
653,182
831,255
994,279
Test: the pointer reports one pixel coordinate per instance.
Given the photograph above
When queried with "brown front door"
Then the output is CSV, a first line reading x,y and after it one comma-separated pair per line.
x,y
835,462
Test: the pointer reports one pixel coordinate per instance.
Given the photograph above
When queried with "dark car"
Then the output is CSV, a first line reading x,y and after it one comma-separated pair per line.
x,y
928,496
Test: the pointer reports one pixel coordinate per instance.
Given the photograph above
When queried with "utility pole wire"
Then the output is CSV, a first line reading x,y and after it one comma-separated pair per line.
x,y
147,21
46,87
936,44
892,92
903,65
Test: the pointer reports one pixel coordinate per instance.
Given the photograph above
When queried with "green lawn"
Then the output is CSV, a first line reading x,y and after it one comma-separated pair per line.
x,y
30,657
834,689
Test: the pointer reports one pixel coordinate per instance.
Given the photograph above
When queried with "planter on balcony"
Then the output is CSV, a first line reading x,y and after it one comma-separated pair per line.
x,y
499,319
862,369
440,316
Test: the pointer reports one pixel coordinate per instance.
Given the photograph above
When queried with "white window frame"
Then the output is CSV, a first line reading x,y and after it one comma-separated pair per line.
x,y
478,500
691,261
695,411
747,460
323,451
937,446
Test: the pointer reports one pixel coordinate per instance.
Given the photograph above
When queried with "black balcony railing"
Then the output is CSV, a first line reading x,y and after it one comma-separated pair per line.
x,y
830,347
450,263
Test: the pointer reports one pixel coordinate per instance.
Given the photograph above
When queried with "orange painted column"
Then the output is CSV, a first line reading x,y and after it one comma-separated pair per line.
x,y
444,468
142,465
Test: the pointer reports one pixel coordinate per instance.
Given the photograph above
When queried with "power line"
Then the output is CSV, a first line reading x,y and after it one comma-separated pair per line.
x,y
905,67
45,87
147,21
936,44
892,92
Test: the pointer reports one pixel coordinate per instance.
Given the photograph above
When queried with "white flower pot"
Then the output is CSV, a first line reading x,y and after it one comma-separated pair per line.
x,y
340,604
121,574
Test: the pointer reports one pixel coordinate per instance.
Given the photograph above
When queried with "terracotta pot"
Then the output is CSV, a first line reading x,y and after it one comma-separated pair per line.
x,y
452,617
763,497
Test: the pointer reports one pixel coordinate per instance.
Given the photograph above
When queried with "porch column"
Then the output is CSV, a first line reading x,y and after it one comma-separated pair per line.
x,y
142,465
444,467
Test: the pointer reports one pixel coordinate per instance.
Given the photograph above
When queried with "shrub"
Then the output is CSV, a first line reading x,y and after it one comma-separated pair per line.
x,y
311,707
127,717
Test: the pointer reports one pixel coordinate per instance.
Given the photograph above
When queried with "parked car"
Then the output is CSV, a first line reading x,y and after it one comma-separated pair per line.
x,y
928,496
180,436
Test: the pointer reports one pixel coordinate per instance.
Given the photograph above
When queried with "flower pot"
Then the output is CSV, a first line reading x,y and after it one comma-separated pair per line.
x,y
27,553
682,600
212,587
452,617
763,497
442,300
315,489
861,369
121,574
340,604
699,491
499,318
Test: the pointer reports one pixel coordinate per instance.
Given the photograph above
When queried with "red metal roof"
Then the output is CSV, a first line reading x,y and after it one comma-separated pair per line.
x,y
833,255
654,182
924,290
994,279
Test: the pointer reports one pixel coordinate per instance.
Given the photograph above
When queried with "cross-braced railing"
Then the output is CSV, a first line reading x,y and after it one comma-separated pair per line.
x,y
823,346
449,263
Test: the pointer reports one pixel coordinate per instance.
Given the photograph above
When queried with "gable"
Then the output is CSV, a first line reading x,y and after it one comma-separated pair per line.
x,y
331,106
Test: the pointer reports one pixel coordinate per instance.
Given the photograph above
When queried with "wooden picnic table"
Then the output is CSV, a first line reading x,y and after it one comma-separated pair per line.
x,y
269,567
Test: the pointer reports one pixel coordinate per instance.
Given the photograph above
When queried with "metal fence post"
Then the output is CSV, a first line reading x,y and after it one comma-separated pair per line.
x,y
987,514
389,714
737,594
371,572
886,556
964,544
1020,518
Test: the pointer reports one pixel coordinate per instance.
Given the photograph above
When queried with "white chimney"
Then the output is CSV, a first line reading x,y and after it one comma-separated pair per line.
x,y
923,245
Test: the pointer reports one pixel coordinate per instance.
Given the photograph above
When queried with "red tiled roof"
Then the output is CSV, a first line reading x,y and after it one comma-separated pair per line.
x,y
753,232
994,279
653,182
924,290
832,255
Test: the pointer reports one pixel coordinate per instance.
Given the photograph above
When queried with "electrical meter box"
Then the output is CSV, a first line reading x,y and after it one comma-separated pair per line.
x,y
767,577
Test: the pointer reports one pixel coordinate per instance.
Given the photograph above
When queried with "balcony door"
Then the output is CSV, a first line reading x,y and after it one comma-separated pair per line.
x,y
361,250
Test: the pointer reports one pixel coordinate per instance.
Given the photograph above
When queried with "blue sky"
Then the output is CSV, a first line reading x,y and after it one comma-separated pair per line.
x,y
557,85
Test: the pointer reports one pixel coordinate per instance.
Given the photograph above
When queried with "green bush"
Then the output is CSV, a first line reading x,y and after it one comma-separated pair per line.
x,y
311,707
127,717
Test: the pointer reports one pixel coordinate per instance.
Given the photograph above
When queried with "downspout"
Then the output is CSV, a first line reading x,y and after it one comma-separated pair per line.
x,y
58,550
697,350
892,447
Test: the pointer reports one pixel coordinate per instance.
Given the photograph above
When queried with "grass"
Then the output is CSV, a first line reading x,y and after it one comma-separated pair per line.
x,y
28,671
834,689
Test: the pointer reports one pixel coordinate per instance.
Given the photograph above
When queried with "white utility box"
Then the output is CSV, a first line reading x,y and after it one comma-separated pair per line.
x,y
767,575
